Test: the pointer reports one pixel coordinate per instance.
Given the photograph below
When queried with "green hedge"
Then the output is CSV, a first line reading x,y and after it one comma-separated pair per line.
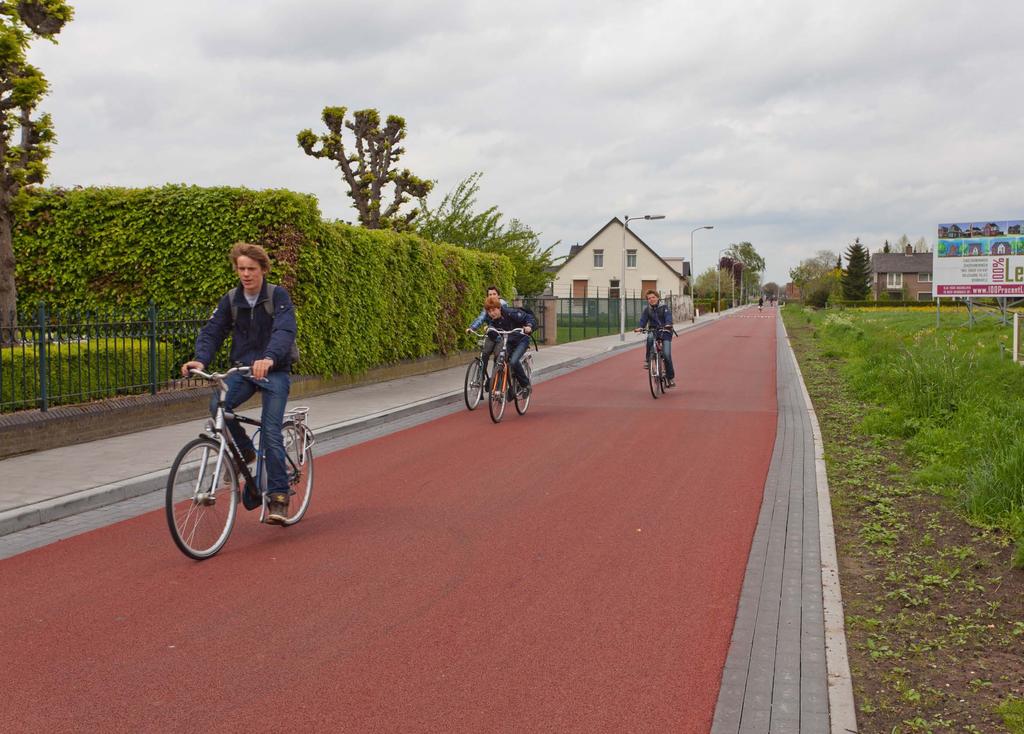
x,y
363,297
78,371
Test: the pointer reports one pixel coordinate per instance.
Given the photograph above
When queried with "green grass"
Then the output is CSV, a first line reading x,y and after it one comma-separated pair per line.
x,y
1012,711
951,392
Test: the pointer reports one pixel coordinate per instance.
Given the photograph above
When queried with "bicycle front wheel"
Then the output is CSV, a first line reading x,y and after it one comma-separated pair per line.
x,y
202,498
662,379
522,403
474,389
652,376
298,451
499,393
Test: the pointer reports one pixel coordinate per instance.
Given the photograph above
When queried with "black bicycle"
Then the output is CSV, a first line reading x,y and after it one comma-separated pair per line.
x,y
656,376
204,485
504,384
476,376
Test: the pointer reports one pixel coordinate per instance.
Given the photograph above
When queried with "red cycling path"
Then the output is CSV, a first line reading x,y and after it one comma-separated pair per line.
x,y
575,569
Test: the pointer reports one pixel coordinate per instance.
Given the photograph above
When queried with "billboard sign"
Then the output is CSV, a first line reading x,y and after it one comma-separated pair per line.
x,y
979,259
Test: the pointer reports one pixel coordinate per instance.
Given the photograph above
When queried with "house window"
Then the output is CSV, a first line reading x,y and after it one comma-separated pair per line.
x,y
925,296
894,280
630,258
613,288
924,278
598,258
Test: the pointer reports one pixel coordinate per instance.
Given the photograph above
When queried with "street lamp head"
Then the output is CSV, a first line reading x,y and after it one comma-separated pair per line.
x,y
654,216
710,226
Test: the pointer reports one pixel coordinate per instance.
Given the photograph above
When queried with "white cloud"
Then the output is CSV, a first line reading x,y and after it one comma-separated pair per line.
x,y
795,125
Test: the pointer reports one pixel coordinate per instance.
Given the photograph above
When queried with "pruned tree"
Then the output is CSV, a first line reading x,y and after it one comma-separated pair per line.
x,y
456,221
856,278
921,245
25,141
903,244
369,165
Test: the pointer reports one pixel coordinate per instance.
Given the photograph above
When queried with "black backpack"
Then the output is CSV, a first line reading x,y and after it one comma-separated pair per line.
x,y
268,305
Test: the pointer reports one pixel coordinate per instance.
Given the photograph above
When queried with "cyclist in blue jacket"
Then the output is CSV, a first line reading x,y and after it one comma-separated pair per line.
x,y
658,315
507,318
491,340
265,342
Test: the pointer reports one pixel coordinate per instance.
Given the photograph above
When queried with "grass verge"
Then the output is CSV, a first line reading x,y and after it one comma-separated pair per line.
x,y
920,427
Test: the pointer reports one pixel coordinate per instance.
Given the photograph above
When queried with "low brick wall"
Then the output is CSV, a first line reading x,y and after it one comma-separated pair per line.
x,y
34,430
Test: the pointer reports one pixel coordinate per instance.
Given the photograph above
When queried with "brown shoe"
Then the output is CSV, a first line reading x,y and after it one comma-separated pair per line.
x,y
277,508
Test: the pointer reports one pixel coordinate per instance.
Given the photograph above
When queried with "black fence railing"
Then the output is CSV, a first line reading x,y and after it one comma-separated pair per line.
x,y
585,318
57,357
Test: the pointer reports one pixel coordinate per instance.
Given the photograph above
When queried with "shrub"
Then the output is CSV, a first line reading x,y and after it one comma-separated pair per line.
x,y
363,297
77,371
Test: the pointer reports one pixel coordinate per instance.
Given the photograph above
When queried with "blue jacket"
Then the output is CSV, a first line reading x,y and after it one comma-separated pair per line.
x,y
483,317
660,315
514,318
255,335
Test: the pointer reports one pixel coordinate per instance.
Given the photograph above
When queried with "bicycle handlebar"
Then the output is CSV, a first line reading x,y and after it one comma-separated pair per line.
x,y
518,330
215,376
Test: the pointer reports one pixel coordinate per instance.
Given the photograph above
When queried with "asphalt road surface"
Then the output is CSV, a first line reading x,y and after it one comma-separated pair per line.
x,y
573,570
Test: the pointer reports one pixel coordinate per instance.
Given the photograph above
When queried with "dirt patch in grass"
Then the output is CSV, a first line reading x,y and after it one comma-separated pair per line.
x,y
934,609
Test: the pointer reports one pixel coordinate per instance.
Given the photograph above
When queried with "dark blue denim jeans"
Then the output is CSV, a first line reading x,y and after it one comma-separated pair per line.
x,y
275,397
515,359
666,349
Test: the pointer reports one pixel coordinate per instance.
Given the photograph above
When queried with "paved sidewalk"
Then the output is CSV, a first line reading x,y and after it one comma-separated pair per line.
x,y
777,679
49,485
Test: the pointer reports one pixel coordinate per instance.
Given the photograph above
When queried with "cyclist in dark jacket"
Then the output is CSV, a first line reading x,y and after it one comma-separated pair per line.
x,y
507,318
658,315
263,342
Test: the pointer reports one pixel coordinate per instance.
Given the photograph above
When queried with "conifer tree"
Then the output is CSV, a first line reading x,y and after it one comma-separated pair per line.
x,y
856,278
25,140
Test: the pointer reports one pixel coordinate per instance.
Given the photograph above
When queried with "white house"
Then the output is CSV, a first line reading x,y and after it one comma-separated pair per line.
x,y
594,269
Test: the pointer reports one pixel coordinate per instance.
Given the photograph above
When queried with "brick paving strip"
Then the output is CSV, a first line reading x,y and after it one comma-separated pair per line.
x,y
787,669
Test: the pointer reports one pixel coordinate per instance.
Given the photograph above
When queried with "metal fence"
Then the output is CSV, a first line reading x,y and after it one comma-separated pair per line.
x,y
59,357
584,318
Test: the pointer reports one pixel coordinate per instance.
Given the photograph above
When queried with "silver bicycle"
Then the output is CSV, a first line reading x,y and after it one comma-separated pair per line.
x,y
206,478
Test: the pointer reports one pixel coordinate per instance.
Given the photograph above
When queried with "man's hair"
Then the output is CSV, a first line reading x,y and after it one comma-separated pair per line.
x,y
652,291
492,288
254,252
492,302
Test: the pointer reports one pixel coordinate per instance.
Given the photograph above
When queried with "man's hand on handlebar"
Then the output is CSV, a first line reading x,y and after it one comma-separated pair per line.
x,y
193,365
261,367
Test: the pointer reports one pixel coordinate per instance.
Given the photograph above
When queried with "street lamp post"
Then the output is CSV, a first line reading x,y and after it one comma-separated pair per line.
x,y
693,271
622,280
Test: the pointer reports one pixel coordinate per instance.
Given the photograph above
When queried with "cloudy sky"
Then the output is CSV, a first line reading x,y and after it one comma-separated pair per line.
x,y
795,125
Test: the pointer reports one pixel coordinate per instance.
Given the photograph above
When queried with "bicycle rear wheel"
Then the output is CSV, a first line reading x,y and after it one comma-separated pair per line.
x,y
474,389
523,402
499,393
201,500
298,449
652,376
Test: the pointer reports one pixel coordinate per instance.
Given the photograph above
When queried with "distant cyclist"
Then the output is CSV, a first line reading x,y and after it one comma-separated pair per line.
x,y
264,342
760,303
507,318
658,316
491,341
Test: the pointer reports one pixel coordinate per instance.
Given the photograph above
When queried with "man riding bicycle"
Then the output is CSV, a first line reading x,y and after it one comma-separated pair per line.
x,y
491,340
506,318
659,318
261,321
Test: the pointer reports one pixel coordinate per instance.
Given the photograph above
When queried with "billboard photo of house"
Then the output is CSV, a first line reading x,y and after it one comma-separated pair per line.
x,y
948,248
